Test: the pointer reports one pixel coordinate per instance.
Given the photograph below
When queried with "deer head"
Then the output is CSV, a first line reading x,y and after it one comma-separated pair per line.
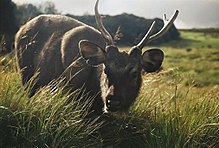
x,y
121,72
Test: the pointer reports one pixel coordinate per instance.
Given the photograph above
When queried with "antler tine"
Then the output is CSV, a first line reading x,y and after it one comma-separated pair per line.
x,y
167,23
146,37
101,27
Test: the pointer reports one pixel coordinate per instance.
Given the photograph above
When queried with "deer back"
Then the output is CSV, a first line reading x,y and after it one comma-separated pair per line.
x,y
48,44
59,46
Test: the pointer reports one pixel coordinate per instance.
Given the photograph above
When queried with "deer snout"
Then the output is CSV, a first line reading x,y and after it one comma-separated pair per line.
x,y
112,104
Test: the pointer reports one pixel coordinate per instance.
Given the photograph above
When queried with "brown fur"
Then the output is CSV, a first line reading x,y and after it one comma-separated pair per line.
x,y
55,46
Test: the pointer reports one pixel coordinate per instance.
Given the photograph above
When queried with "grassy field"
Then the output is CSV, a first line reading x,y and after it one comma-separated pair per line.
x,y
177,107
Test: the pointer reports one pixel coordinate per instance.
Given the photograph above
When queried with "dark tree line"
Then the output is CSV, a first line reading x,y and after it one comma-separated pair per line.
x,y
131,28
128,29
8,24
12,17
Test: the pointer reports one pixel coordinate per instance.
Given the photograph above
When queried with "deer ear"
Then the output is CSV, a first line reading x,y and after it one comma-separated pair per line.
x,y
152,59
92,53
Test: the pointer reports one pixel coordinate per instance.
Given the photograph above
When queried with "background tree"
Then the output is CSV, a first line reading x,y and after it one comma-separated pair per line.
x,y
26,12
132,28
29,11
48,8
12,16
8,25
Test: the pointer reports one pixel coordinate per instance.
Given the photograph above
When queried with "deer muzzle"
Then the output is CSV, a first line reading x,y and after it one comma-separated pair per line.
x,y
113,103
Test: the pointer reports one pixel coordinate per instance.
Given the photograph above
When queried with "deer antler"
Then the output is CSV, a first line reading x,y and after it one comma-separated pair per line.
x,y
102,29
167,23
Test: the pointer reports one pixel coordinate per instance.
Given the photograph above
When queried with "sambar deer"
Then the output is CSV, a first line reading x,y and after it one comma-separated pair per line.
x,y
56,45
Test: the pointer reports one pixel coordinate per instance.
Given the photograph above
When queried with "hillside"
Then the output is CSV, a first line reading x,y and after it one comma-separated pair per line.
x,y
132,27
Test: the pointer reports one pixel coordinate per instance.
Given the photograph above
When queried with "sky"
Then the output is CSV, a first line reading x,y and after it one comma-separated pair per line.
x,y
193,13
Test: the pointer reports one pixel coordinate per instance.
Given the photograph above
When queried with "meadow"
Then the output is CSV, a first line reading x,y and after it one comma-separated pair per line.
x,y
177,107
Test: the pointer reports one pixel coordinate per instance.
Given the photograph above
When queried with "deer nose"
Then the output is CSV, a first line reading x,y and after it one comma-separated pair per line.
x,y
113,105
112,102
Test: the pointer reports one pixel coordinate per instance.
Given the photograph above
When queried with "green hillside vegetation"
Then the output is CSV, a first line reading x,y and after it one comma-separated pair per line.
x,y
199,57
177,107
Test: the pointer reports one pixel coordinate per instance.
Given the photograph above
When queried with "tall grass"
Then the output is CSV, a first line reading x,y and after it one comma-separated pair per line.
x,y
166,114
171,111
47,119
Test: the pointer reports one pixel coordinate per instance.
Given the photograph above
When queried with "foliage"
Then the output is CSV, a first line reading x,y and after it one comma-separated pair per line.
x,y
167,113
26,12
12,17
48,8
8,25
132,28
